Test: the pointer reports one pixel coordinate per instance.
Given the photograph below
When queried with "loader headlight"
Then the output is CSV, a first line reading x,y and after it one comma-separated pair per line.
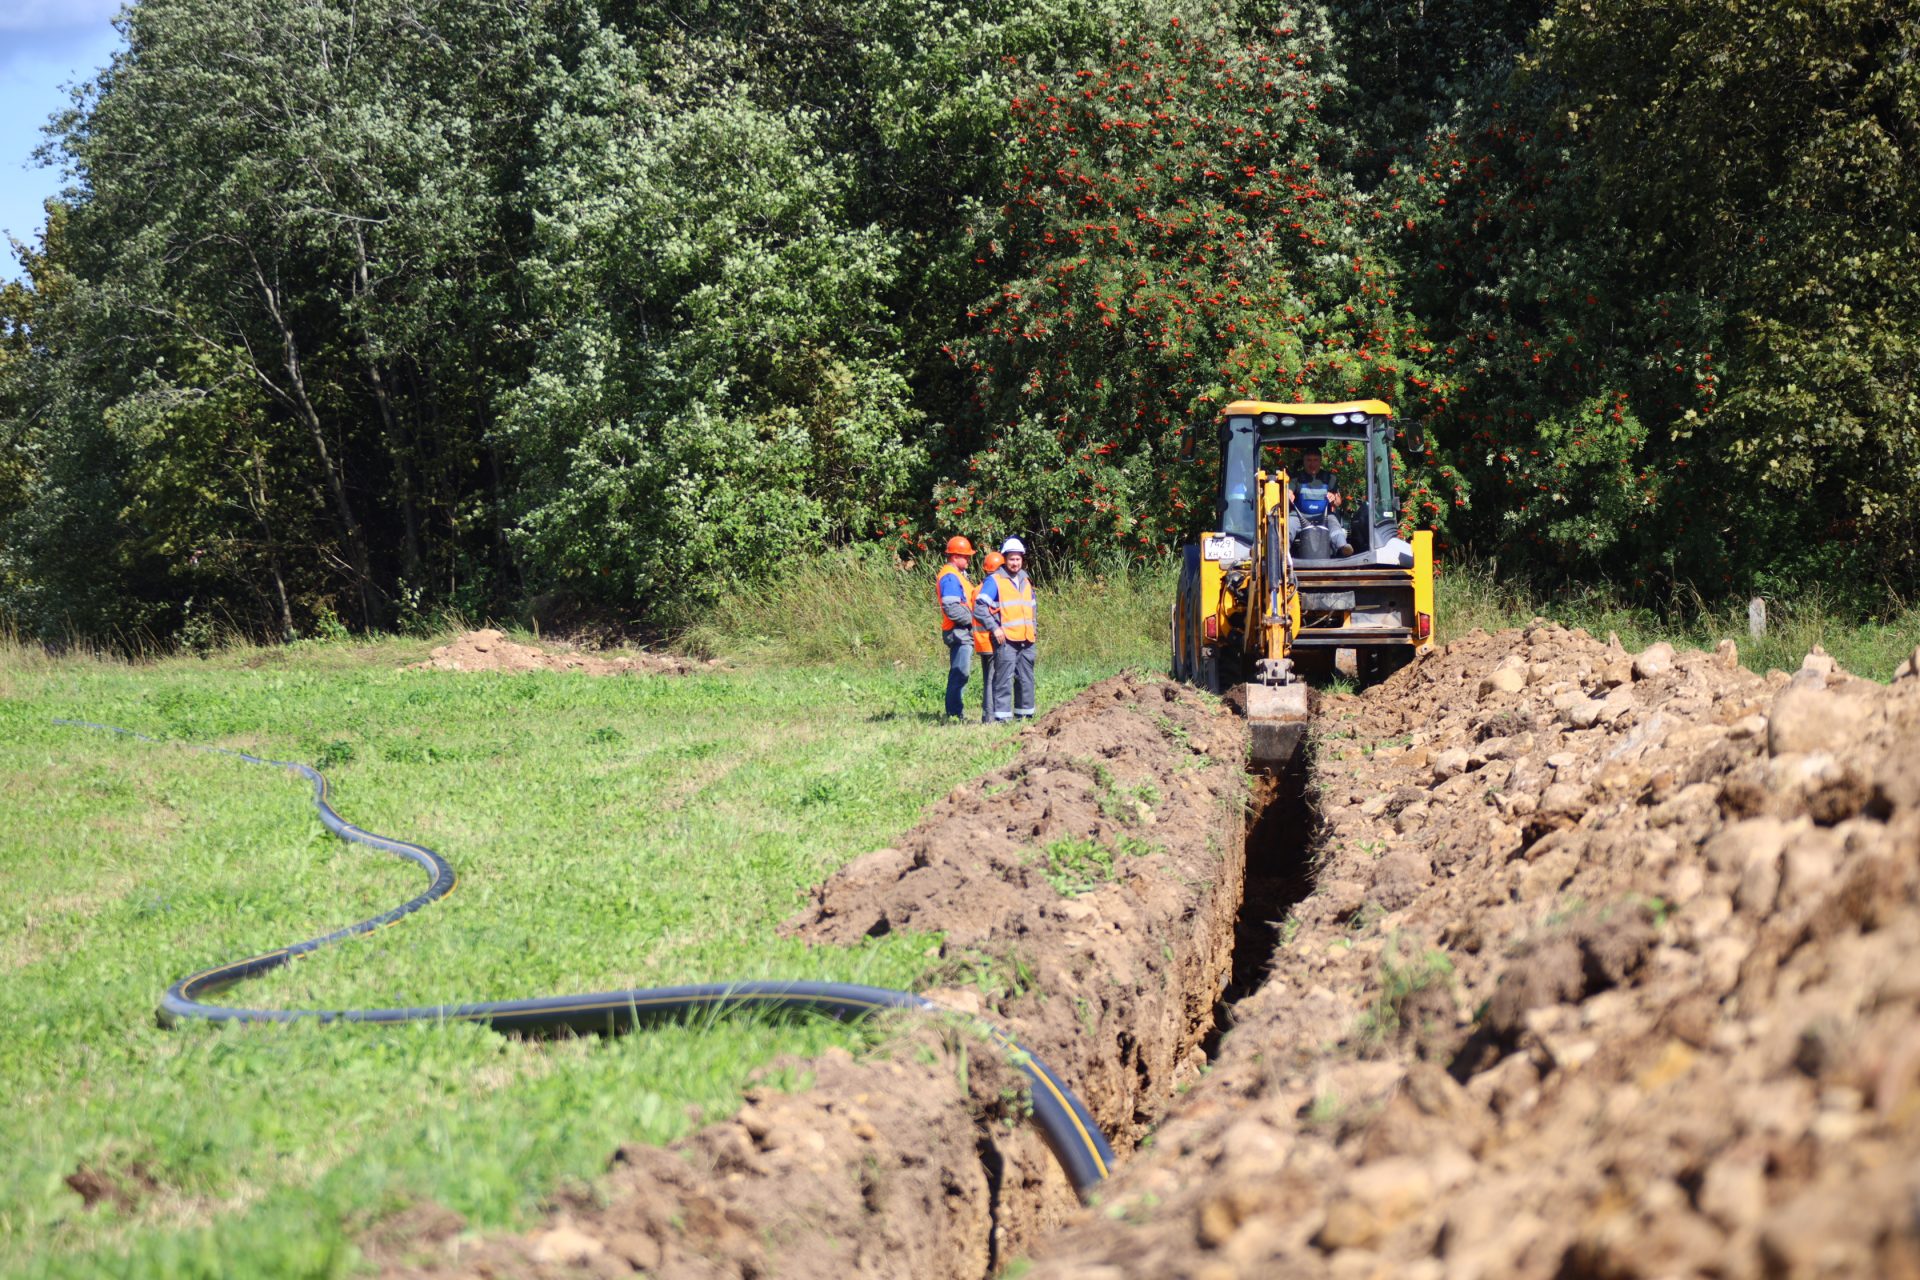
x,y
1269,419
1339,419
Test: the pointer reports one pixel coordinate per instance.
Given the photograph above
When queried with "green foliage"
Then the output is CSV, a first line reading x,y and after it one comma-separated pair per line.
x,y
1165,239
1666,255
721,396
281,300
371,313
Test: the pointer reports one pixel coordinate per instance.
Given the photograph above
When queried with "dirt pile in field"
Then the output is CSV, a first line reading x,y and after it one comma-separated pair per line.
x,y
489,650
857,1176
1609,971
1087,893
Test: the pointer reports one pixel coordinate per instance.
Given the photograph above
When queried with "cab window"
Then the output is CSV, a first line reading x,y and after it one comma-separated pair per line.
x,y
1385,506
1237,478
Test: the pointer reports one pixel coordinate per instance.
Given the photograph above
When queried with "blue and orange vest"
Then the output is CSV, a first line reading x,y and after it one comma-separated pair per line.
x,y
982,640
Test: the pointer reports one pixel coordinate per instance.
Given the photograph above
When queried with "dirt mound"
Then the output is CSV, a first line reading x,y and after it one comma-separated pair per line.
x,y
1092,886
489,650
858,1176
1607,971
1087,893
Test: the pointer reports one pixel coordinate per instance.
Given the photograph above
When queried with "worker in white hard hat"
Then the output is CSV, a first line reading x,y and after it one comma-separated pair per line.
x,y
1004,607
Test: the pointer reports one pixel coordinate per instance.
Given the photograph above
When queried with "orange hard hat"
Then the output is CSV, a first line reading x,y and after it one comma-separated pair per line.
x,y
958,546
993,561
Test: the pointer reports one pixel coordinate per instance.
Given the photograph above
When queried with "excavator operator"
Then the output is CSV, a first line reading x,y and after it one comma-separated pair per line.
x,y
1316,497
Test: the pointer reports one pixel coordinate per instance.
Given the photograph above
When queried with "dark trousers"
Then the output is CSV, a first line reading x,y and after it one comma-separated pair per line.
x,y
959,666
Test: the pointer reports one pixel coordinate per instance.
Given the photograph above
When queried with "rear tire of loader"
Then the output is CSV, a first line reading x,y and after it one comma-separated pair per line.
x,y
1376,665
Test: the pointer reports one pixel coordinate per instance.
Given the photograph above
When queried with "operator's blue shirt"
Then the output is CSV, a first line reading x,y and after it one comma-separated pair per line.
x,y
1311,491
1327,478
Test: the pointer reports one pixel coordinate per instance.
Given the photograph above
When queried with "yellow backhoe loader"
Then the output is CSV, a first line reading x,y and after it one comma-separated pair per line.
x,y
1292,574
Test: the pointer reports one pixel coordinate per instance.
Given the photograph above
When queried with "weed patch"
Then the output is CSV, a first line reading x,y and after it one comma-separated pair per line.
x,y
1073,867
1404,973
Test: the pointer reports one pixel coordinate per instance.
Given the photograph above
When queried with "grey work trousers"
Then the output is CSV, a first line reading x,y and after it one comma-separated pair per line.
x,y
1013,680
986,688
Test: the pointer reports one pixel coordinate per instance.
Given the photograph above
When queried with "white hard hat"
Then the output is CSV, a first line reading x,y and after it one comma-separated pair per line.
x,y
1013,546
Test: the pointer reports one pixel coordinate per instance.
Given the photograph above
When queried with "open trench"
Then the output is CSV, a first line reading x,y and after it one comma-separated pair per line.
x,y
1272,869
1281,827
1277,831
1523,809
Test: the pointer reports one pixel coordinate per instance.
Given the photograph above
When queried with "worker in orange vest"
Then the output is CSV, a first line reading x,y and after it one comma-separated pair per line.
x,y
956,596
983,641
1004,604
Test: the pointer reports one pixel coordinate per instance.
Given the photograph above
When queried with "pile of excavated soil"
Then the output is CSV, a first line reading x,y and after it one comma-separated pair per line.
x,y
1087,896
1610,969
489,650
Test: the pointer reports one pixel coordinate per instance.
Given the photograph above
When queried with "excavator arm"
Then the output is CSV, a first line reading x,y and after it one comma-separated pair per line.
x,y
1276,698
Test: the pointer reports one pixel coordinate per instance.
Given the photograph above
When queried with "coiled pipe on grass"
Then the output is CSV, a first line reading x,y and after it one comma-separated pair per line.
x,y
1071,1133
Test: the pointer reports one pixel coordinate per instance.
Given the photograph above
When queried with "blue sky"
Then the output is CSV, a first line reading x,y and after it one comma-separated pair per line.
x,y
44,44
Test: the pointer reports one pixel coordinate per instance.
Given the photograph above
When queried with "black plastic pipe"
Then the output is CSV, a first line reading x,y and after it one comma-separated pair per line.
x,y
1070,1131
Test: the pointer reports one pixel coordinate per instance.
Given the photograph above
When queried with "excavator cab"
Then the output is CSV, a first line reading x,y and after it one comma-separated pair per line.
x,y
1278,583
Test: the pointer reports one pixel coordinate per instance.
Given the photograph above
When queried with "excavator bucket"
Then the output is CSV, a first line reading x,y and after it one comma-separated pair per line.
x,y
1277,715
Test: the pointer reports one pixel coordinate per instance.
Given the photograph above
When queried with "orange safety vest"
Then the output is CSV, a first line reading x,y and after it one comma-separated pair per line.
x,y
946,623
1016,609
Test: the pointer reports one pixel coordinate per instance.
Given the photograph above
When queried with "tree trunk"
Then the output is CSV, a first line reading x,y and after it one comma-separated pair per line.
x,y
296,397
273,548
403,472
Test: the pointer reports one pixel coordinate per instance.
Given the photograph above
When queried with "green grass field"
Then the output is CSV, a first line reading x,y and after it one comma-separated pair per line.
x,y
608,832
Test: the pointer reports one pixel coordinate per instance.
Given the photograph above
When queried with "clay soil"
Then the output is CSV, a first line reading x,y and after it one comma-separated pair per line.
x,y
489,650
1608,969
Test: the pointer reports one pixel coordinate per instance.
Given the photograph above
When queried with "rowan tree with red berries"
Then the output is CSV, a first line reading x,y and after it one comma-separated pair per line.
x,y
1167,239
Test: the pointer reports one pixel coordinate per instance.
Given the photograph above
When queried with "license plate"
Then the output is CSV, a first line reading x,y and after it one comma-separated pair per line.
x,y
1223,546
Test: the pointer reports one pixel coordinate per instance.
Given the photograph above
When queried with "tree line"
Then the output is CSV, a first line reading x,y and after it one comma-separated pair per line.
x,y
354,312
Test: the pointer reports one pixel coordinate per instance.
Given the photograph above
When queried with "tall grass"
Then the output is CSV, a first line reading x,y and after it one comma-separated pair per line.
x,y
858,611
1477,595
866,612
855,610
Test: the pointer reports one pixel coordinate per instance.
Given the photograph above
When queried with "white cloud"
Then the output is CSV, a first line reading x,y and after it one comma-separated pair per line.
x,y
55,15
